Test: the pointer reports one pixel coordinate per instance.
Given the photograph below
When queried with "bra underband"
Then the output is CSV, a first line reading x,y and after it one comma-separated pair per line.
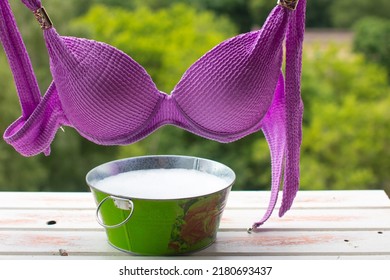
x,y
235,89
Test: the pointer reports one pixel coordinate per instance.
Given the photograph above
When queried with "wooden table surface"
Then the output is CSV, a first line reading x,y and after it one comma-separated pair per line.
x,y
321,225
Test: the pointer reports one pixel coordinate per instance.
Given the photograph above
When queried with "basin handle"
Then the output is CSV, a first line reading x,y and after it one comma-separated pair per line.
x,y
121,203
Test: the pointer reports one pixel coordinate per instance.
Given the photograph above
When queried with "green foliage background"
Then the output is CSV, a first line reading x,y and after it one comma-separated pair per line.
x,y
345,89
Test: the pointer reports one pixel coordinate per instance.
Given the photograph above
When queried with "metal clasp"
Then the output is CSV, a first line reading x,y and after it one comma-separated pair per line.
x,y
43,18
289,4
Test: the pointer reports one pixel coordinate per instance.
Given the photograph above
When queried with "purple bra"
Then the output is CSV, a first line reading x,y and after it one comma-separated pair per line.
x,y
235,89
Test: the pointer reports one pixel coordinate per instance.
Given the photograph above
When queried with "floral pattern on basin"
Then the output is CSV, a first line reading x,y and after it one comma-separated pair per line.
x,y
197,226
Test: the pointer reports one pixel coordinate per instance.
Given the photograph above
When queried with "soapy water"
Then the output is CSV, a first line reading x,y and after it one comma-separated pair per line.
x,y
162,184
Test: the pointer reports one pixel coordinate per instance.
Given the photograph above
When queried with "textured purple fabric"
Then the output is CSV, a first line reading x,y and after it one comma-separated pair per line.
x,y
235,89
32,4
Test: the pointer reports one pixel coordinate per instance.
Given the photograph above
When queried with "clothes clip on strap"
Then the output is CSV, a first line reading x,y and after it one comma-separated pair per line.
x,y
289,4
43,18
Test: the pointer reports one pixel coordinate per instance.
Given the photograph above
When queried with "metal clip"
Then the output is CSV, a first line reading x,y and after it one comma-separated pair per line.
x,y
43,18
289,4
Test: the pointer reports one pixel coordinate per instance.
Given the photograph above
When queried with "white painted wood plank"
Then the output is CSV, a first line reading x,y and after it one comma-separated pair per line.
x,y
313,199
233,219
266,243
48,219
301,243
47,200
311,219
237,199
50,243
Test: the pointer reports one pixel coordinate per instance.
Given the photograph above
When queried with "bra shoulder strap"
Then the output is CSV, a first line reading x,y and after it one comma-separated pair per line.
x,y
19,60
294,104
283,124
33,5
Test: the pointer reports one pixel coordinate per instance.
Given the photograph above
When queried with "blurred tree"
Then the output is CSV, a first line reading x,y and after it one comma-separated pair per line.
x,y
238,11
346,139
245,14
372,38
259,10
318,13
346,13
249,14
166,42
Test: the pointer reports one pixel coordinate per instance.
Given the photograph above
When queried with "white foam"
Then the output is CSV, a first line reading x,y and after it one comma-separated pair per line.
x,y
162,184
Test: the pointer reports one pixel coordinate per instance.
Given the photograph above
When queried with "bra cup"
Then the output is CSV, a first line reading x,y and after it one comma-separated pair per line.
x,y
105,94
230,88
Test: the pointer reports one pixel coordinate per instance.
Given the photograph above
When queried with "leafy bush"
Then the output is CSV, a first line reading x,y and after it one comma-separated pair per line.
x,y
372,38
346,139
